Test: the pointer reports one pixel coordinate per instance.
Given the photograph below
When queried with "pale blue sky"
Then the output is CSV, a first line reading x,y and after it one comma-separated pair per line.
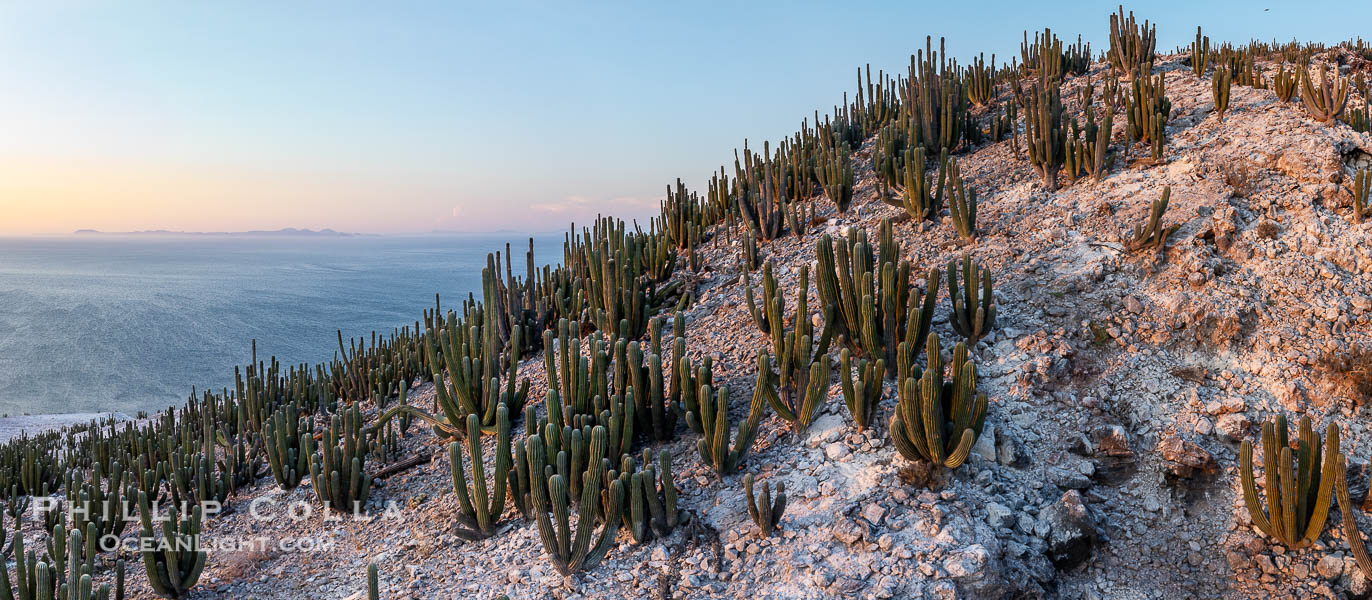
x,y
393,117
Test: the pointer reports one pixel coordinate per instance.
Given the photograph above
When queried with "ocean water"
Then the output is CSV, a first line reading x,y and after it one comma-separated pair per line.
x,y
129,323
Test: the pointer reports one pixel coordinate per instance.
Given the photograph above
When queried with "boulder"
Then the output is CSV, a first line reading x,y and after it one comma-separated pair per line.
x,y
1072,531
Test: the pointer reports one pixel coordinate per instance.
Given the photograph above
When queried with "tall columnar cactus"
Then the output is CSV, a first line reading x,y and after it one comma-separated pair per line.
x,y
974,306
862,396
337,472
1350,521
866,292
937,420
1043,58
1362,195
1200,53
651,499
1286,83
657,411
471,355
1299,486
799,399
937,103
1088,148
284,439
1131,46
713,420
762,198
1219,89
571,553
921,195
834,172
1324,101
763,509
1147,113
480,511
981,80
962,203
174,564
1154,235
1045,132
373,582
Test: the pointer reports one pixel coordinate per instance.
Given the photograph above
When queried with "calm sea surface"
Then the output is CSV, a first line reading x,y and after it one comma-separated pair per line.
x,y
128,323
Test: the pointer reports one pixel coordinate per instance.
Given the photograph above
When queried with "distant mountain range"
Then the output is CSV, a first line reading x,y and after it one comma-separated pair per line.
x,y
289,231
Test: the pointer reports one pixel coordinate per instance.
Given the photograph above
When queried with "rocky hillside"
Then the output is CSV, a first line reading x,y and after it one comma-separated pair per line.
x,y
1120,385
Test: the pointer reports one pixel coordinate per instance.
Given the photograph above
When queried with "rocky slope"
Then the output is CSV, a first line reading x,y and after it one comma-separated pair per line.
x,y
1120,386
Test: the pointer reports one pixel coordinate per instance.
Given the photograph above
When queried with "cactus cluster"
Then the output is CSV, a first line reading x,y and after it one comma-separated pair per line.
x,y
764,508
337,471
1298,486
1324,101
1132,46
573,552
937,420
1147,114
1362,195
1219,89
1153,235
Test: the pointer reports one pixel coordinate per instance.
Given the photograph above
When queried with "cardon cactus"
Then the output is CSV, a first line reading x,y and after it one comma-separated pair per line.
x,y
337,472
1286,83
1153,235
1219,89
571,553
763,509
1200,53
962,204
797,401
174,564
713,420
1045,131
863,396
1132,47
974,307
284,439
479,511
1325,101
1299,485
651,500
1362,195
373,582
1350,521
1147,114
937,420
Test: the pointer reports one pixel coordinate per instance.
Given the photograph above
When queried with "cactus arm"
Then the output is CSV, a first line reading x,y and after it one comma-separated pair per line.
x,y
1288,496
1350,522
1327,479
1250,491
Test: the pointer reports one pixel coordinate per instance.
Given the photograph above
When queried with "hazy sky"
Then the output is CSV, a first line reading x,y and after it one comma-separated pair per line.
x,y
411,117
